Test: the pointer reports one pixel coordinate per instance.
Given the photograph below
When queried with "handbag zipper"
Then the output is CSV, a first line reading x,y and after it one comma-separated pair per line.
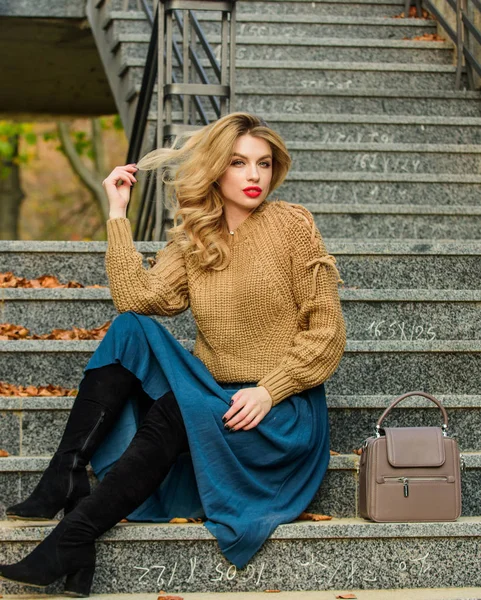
x,y
405,481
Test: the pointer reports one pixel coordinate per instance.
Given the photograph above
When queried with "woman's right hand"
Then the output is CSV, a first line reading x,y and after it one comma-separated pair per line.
x,y
119,195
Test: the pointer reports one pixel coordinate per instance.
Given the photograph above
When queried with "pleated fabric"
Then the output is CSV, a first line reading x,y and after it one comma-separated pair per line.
x,y
244,483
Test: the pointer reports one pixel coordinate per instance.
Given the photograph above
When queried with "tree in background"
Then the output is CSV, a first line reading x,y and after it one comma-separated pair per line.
x,y
39,193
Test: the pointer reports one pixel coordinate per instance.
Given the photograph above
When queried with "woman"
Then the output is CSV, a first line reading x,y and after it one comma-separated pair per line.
x,y
242,422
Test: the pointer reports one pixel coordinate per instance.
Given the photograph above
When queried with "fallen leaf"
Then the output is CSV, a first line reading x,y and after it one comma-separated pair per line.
x,y
358,451
185,520
334,453
426,37
4,453
10,389
305,516
413,14
346,596
170,598
8,331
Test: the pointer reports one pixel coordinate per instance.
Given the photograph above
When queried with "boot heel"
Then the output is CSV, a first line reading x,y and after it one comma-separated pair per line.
x,y
78,584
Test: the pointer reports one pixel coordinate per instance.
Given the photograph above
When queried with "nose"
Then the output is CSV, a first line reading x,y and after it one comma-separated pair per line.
x,y
253,173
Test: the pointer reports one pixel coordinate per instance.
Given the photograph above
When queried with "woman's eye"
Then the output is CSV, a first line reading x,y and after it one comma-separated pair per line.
x,y
265,164
235,163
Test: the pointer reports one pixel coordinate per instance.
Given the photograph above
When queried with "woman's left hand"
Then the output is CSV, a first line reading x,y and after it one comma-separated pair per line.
x,y
250,406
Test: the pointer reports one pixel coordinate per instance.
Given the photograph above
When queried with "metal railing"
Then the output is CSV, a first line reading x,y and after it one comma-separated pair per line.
x,y
458,19
176,55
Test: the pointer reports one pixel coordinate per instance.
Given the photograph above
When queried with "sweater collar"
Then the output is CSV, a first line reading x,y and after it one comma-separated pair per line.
x,y
242,231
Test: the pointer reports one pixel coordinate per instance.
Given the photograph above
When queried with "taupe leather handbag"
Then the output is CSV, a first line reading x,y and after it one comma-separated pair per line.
x,y
410,473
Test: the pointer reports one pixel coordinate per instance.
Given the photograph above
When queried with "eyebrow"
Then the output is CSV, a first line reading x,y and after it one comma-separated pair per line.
x,y
246,158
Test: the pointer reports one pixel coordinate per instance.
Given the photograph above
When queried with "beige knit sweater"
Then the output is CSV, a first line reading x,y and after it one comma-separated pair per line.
x,y
272,316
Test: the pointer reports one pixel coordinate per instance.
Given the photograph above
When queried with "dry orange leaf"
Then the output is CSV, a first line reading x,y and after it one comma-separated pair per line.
x,y
9,280
8,331
426,37
170,598
305,516
10,389
333,453
185,520
358,451
413,14
4,453
346,596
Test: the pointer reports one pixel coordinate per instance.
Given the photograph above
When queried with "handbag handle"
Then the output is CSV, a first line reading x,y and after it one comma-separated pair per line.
x,y
400,398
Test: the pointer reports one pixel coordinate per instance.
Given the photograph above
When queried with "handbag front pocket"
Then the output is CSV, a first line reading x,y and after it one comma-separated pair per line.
x,y
407,481
415,498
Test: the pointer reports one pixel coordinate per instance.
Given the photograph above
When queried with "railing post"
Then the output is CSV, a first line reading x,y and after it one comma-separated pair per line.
x,y
460,44
176,19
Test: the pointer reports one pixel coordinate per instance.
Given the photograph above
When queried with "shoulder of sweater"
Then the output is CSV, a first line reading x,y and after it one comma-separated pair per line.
x,y
295,218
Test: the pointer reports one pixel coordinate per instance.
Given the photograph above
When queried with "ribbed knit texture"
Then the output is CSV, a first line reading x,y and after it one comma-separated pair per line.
x,y
272,316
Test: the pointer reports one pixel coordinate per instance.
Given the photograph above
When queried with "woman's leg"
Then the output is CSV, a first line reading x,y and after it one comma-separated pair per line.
x,y
102,395
69,549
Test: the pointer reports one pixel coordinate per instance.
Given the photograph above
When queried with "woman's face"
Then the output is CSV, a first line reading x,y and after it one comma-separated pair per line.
x,y
246,182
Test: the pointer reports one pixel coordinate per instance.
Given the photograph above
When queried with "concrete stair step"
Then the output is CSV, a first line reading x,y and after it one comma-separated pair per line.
x,y
369,314
378,130
19,475
323,26
383,8
119,22
301,75
342,553
363,191
356,101
386,158
32,426
368,366
131,45
353,101
363,222
465,593
407,264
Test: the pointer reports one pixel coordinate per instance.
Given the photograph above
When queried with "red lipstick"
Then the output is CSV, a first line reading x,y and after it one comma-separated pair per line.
x,y
253,191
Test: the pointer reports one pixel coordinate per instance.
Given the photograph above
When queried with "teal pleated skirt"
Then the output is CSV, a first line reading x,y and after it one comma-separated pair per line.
x,y
244,483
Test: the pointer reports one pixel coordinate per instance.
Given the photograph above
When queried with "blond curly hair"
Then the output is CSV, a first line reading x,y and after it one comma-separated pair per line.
x,y
190,169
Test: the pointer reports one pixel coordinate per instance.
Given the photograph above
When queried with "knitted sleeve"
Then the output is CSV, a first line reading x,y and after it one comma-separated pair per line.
x,y
319,344
161,290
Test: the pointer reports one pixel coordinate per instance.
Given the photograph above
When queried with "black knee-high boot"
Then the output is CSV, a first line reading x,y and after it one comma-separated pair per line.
x,y
69,549
102,395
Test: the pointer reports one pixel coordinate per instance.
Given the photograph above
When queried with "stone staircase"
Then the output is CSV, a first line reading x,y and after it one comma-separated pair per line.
x,y
387,158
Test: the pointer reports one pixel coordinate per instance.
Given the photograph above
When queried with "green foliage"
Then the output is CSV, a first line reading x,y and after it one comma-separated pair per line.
x,y
10,131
